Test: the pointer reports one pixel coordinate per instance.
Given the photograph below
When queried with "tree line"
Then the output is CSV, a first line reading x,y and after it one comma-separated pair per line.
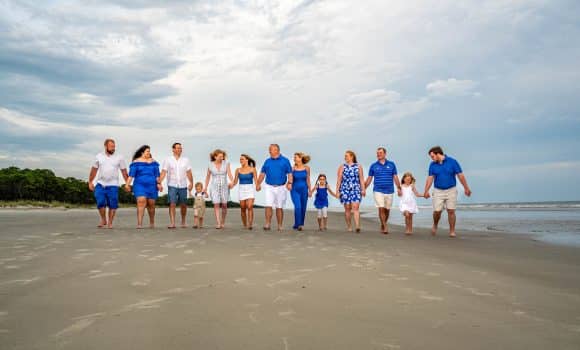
x,y
44,186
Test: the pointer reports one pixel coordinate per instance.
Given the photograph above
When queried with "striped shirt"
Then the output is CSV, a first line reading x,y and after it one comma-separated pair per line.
x,y
383,176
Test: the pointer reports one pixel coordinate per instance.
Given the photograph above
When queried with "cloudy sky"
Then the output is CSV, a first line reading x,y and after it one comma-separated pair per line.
x,y
496,83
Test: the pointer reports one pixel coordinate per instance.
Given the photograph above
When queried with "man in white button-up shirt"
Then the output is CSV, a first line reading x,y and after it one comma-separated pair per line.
x,y
179,182
107,165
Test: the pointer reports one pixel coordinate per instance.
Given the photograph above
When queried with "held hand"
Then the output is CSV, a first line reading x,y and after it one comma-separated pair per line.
x,y
231,185
364,192
426,195
190,188
91,186
127,188
399,192
258,188
159,188
289,186
467,192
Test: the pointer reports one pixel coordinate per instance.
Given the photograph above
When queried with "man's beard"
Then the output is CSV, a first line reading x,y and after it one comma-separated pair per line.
x,y
110,152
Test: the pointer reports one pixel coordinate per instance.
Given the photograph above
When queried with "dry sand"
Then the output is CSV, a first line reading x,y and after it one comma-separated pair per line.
x,y
64,284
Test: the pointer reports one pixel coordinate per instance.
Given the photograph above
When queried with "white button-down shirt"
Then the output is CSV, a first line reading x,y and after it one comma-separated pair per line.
x,y
176,171
109,166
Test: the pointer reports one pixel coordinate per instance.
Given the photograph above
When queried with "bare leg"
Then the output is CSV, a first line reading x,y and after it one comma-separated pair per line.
x,y
171,215
243,212
103,215
200,221
111,217
387,213
183,215
280,217
452,219
324,222
410,223
407,217
268,214
151,212
224,213
348,216
356,214
250,213
141,204
320,227
195,221
383,215
216,211
436,218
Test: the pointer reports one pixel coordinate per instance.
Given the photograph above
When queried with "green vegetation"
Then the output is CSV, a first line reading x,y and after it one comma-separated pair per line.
x,y
41,188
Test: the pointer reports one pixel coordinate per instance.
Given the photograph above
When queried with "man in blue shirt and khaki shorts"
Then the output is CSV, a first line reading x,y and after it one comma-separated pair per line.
x,y
442,172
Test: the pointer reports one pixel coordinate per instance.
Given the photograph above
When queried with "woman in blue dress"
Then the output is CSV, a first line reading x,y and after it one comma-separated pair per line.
x,y
144,178
350,187
300,188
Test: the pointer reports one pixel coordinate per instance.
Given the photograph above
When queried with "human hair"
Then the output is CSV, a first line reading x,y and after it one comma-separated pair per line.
x,y
436,150
213,155
352,154
107,142
275,145
408,174
305,157
175,145
382,148
140,151
198,184
251,161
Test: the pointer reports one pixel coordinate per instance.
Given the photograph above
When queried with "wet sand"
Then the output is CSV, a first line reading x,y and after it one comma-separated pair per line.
x,y
64,284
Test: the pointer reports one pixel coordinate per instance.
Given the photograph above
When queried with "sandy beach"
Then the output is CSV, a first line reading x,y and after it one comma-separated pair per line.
x,y
64,284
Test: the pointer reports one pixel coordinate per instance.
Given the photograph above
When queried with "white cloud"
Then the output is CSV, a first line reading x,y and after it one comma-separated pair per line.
x,y
451,87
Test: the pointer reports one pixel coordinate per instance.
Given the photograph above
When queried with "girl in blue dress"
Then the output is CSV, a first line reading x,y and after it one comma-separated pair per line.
x,y
350,187
321,200
300,188
144,178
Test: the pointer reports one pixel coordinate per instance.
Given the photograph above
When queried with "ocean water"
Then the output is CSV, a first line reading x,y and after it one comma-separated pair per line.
x,y
552,222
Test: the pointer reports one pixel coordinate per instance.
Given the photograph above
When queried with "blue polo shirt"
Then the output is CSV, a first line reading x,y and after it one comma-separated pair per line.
x,y
383,176
444,173
276,170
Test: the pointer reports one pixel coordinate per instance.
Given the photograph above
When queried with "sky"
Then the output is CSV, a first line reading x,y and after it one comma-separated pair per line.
x,y
495,83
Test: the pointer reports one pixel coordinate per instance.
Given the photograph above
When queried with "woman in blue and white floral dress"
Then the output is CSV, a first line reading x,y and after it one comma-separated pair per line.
x,y
351,189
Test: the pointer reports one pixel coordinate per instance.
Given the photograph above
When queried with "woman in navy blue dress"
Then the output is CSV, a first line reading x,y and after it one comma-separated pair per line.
x,y
300,188
144,176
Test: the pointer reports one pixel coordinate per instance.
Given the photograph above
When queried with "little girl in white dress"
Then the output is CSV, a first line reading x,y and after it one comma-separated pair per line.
x,y
408,203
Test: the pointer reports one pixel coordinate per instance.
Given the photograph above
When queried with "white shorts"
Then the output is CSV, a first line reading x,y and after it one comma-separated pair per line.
x,y
445,199
383,200
246,192
275,196
322,212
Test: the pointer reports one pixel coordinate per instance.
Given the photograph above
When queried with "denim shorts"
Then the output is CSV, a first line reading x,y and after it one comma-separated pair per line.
x,y
177,195
107,196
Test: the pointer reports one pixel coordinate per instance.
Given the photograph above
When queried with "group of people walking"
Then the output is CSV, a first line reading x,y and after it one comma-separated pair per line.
x,y
278,178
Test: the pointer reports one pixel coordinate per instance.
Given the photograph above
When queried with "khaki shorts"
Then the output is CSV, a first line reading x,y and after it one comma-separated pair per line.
x,y
383,200
445,199
199,210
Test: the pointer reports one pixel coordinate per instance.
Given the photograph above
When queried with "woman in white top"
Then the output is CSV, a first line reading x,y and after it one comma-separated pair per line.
x,y
219,171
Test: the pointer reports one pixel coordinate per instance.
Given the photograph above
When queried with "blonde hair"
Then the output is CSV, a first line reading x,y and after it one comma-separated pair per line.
x,y
213,155
198,184
408,174
352,154
305,157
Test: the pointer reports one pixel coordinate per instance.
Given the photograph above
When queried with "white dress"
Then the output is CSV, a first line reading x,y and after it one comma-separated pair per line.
x,y
219,191
408,201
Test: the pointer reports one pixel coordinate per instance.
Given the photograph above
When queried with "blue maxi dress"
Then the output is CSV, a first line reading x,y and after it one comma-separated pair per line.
x,y
299,195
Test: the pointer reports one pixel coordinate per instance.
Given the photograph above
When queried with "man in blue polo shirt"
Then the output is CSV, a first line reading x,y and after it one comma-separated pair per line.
x,y
442,171
278,174
384,173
